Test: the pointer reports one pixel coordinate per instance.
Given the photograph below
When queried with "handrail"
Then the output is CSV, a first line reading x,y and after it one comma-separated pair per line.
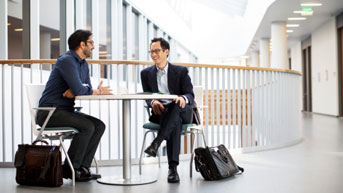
x,y
137,62
248,107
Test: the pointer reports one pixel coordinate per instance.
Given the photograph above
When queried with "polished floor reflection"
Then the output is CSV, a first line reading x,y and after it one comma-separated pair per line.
x,y
314,166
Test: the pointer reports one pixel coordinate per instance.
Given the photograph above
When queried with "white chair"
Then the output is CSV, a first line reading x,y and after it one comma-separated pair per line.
x,y
34,93
191,129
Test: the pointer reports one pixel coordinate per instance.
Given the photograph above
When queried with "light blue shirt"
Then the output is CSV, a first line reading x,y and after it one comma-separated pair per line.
x,y
162,83
162,80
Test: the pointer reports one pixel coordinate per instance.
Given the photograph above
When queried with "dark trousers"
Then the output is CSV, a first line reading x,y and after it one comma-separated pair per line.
x,y
85,143
171,122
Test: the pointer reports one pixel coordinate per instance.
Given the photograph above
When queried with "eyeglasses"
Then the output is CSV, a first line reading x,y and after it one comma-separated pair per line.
x,y
90,41
155,51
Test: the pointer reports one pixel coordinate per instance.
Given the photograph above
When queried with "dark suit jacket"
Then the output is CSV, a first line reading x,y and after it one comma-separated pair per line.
x,y
179,82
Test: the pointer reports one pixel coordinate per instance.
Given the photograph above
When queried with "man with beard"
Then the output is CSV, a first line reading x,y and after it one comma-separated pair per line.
x,y
70,78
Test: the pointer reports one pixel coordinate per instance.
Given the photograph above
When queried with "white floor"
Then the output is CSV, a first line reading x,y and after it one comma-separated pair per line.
x,y
314,166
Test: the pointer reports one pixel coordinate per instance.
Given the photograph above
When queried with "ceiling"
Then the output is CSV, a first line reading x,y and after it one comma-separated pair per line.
x,y
280,10
228,7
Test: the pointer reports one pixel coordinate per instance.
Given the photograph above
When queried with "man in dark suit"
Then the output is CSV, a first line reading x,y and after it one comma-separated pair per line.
x,y
167,78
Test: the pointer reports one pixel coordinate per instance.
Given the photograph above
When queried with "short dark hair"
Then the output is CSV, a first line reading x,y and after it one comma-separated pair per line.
x,y
163,42
77,37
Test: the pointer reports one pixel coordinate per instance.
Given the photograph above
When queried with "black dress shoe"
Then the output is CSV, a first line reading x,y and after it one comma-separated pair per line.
x,y
152,149
88,173
173,176
80,176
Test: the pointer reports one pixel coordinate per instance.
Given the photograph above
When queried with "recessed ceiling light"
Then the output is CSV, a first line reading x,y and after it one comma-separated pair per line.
x,y
289,31
9,24
55,39
292,25
310,4
297,18
104,55
18,29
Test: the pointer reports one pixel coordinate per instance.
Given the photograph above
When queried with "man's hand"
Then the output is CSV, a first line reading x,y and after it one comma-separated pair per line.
x,y
69,94
103,90
157,107
181,101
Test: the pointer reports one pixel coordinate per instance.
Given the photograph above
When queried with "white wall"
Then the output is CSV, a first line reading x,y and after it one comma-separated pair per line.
x,y
296,57
324,69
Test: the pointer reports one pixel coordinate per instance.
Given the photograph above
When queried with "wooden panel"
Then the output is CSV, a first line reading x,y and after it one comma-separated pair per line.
x,y
228,106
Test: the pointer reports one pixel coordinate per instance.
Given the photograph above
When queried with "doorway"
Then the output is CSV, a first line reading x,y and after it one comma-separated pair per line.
x,y
307,79
340,67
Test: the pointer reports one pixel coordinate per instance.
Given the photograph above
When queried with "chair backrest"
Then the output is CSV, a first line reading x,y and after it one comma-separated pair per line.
x,y
34,93
198,93
122,89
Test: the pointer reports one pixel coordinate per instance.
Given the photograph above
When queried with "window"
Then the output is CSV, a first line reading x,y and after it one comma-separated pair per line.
x,y
15,33
49,29
105,45
135,41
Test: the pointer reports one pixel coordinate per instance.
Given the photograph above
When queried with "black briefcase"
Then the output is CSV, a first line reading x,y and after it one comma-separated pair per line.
x,y
38,165
215,163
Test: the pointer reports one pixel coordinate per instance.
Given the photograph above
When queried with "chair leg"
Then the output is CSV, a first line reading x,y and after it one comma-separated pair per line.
x,y
158,153
68,159
96,165
141,156
203,137
192,155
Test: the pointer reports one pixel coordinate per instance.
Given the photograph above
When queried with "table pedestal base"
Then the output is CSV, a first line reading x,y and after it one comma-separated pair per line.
x,y
134,180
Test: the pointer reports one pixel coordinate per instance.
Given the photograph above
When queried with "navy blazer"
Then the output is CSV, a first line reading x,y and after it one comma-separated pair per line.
x,y
179,82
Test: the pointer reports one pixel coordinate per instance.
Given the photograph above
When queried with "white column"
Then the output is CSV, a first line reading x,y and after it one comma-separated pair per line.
x,y
80,8
165,37
143,38
243,61
129,35
264,53
172,55
34,36
3,30
45,46
95,29
296,56
255,59
120,28
66,23
34,29
31,32
279,46
151,32
159,33
150,36
115,29
70,22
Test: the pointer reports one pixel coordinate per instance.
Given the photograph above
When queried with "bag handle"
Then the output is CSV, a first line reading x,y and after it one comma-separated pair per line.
x,y
39,140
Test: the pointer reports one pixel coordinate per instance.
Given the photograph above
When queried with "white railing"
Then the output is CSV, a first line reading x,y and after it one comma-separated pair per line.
x,y
248,108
